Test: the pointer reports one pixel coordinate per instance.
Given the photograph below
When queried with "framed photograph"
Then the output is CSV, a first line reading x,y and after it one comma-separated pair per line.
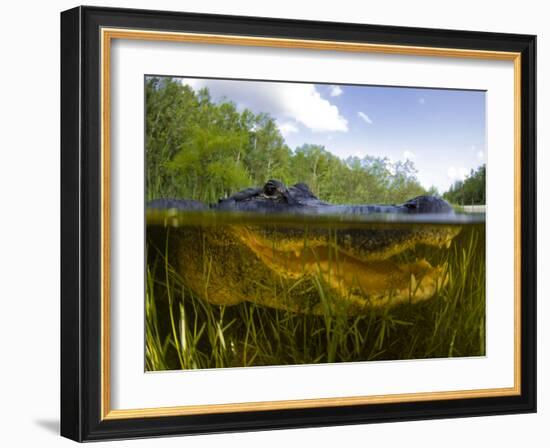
x,y
273,223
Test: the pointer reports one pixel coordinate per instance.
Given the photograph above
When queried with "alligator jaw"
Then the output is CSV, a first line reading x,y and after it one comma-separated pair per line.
x,y
361,284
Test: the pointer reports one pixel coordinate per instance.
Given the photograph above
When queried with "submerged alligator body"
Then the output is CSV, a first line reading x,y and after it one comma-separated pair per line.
x,y
308,267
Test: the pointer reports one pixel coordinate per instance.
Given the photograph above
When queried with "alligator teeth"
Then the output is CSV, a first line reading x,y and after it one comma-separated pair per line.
x,y
413,282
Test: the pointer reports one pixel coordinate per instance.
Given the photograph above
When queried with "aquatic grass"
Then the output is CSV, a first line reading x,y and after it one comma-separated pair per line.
x,y
155,346
185,332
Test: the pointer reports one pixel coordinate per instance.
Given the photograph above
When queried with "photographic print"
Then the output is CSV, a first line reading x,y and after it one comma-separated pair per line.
x,y
249,201
303,223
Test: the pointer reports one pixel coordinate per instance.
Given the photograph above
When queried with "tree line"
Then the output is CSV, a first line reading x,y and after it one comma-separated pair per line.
x,y
204,150
470,191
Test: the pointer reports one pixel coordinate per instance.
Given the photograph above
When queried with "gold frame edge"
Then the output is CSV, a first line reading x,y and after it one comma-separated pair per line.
x,y
107,35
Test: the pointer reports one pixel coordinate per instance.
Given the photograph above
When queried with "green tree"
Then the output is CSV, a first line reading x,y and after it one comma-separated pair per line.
x,y
268,156
310,164
200,149
208,165
470,191
403,182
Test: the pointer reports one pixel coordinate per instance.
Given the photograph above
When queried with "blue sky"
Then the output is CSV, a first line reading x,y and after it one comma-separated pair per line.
x,y
441,131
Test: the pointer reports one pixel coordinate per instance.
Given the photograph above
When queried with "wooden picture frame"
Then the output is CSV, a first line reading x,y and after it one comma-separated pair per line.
x,y
86,37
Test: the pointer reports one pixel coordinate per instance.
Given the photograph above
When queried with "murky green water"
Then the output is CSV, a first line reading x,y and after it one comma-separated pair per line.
x,y
305,269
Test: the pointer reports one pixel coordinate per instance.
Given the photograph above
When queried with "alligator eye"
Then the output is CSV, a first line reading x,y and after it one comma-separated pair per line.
x,y
272,188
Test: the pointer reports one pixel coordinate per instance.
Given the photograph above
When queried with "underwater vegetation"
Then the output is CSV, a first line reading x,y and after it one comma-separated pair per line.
x,y
235,291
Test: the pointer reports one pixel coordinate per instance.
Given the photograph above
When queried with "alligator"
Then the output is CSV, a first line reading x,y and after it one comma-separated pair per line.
x,y
306,265
274,197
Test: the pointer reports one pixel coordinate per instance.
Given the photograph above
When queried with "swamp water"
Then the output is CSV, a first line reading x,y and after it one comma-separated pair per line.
x,y
232,290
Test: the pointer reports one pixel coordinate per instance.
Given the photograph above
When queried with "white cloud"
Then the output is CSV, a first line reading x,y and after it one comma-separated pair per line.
x,y
300,103
480,155
455,173
409,155
336,91
364,117
194,83
422,100
304,103
287,128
